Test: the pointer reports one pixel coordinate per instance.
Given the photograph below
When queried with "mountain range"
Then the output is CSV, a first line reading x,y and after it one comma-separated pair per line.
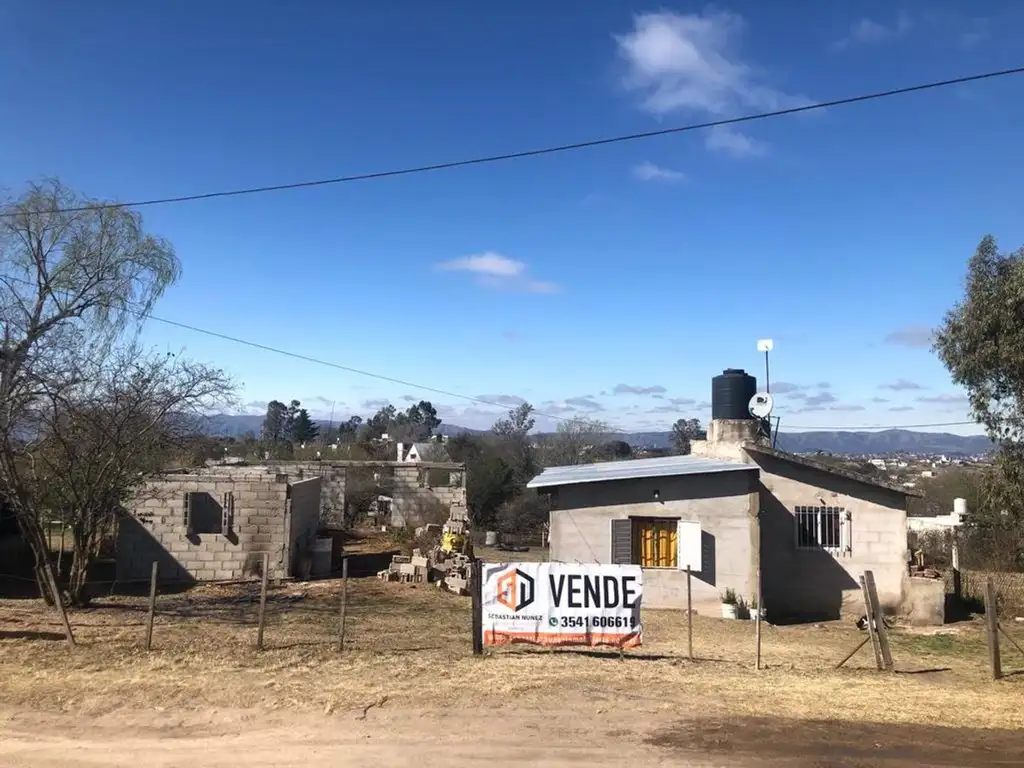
x,y
851,443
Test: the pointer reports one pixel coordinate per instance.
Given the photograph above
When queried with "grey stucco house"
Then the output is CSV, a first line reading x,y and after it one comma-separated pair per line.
x,y
812,529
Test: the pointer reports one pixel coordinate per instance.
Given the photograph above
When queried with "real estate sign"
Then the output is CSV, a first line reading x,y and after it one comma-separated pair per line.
x,y
554,604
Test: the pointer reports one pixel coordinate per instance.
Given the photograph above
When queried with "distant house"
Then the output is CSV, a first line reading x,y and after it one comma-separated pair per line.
x,y
418,452
811,529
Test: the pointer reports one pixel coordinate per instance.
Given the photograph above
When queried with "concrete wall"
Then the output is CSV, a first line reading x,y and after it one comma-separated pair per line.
x,y
414,498
155,528
305,519
725,504
817,583
400,480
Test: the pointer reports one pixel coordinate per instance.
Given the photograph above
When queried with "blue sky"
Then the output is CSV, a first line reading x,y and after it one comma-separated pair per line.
x,y
612,282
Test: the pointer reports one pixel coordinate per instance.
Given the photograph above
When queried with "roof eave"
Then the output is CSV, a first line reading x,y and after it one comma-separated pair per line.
x,y
539,481
822,467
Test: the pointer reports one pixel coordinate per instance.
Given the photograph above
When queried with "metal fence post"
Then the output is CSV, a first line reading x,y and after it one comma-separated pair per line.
x,y
476,595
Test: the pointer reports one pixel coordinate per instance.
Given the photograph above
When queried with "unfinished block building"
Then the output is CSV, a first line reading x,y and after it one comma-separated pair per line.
x,y
212,527
411,488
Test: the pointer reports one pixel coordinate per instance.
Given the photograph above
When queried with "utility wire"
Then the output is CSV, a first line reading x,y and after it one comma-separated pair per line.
x,y
551,150
886,426
424,388
318,361
306,358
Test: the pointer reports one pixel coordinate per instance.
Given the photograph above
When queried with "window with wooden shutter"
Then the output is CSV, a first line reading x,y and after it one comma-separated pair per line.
x,y
622,542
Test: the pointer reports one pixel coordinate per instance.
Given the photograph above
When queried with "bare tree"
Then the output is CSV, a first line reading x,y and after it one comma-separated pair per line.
x,y
574,441
125,417
514,441
74,277
684,432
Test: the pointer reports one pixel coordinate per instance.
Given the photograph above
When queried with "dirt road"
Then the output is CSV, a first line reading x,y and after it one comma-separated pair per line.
x,y
386,736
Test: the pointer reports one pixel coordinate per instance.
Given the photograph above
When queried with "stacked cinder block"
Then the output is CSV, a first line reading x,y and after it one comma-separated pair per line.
x,y
458,520
415,569
456,577
449,571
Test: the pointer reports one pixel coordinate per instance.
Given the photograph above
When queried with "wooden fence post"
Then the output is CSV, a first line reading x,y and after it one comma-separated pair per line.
x,y
152,605
757,599
992,626
263,600
870,616
879,618
344,604
476,595
757,627
689,614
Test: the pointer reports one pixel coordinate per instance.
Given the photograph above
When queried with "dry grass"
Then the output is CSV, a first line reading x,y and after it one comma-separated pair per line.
x,y
411,644
494,555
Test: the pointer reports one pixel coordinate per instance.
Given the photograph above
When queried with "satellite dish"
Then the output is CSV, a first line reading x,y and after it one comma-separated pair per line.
x,y
765,345
761,405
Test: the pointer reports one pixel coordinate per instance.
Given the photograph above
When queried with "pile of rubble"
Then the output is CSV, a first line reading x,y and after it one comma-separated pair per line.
x,y
445,565
449,570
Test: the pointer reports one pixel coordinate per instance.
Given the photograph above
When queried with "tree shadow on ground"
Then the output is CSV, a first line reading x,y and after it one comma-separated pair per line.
x,y
27,634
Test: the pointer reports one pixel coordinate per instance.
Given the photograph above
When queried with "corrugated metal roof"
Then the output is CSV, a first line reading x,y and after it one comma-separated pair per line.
x,y
663,466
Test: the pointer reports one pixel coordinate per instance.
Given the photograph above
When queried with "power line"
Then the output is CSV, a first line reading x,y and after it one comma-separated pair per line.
x,y
481,401
307,358
340,367
885,426
266,348
551,150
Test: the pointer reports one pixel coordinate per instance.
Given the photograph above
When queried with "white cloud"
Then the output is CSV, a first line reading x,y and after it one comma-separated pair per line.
x,y
510,400
913,336
490,263
584,402
648,171
944,399
977,31
822,398
690,63
901,385
633,389
723,138
497,271
868,31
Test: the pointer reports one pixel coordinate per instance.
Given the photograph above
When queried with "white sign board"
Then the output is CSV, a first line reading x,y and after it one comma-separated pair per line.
x,y
561,604
688,545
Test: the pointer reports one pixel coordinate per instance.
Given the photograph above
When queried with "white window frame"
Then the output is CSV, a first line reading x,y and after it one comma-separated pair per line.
x,y
819,513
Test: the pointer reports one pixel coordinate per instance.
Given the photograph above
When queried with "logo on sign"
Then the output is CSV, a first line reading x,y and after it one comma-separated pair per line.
x,y
515,590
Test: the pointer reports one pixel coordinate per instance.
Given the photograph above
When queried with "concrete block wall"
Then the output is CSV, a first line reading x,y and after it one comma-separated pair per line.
x,y
817,582
724,503
332,483
305,517
407,493
156,530
410,498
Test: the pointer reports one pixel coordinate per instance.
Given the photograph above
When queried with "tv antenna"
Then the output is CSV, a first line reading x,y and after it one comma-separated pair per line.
x,y
766,346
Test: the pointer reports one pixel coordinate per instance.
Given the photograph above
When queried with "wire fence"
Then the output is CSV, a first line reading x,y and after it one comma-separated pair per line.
x,y
967,560
376,619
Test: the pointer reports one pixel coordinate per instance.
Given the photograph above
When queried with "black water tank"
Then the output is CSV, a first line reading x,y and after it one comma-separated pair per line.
x,y
731,393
